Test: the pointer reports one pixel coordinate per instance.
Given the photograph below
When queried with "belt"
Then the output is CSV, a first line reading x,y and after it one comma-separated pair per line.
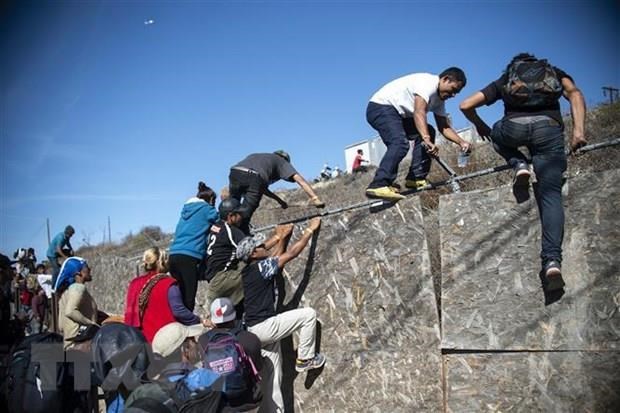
x,y
242,169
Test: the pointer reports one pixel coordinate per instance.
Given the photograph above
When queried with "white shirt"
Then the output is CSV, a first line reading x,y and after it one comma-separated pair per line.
x,y
400,94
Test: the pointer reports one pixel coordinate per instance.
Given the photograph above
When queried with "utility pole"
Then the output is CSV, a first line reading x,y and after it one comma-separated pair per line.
x,y
109,231
48,232
612,92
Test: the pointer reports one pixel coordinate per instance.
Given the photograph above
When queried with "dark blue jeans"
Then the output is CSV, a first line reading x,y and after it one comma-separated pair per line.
x,y
247,188
396,133
55,269
544,138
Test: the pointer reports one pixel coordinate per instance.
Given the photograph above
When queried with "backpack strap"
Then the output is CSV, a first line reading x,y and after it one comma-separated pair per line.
x,y
235,331
145,293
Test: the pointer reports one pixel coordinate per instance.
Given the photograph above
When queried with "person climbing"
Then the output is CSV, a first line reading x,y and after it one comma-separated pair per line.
x,y
259,286
188,248
530,89
398,111
250,178
57,250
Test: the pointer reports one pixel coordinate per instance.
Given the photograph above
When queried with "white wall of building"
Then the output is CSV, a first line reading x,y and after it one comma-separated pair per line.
x,y
374,149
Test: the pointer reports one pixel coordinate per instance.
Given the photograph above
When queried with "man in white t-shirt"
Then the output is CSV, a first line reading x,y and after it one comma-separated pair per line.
x,y
398,112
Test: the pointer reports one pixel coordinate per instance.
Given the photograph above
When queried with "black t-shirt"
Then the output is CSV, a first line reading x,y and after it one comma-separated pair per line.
x,y
259,290
221,246
270,167
494,91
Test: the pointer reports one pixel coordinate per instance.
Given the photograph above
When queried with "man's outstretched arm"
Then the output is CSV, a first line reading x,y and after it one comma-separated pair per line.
x,y
468,107
299,246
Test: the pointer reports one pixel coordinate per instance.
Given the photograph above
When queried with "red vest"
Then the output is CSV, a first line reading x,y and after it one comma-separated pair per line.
x,y
157,312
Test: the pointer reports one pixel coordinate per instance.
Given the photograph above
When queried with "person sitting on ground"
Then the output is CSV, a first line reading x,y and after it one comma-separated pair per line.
x,y
154,298
357,162
259,286
250,178
223,316
187,250
398,111
60,248
76,307
533,119
223,270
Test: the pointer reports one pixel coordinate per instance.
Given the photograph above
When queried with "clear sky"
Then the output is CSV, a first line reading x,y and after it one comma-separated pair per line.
x,y
103,113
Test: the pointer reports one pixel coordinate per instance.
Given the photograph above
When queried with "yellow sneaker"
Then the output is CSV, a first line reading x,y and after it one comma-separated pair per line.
x,y
385,192
416,183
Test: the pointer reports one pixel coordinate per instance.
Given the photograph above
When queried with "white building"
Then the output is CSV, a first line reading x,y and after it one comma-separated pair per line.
x,y
374,149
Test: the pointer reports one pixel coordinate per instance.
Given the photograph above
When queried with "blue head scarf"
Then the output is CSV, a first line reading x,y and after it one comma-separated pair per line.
x,y
69,270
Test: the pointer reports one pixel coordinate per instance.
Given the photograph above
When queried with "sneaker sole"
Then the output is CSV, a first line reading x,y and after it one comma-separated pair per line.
x,y
416,187
522,179
554,280
395,197
302,369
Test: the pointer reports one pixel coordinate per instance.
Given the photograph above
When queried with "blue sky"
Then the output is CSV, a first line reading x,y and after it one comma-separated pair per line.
x,y
103,115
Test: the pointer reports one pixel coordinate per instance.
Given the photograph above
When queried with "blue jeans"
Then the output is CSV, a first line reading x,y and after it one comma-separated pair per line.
x,y
55,269
544,138
396,133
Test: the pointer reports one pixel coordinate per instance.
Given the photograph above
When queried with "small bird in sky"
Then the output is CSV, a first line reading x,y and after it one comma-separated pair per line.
x,y
149,22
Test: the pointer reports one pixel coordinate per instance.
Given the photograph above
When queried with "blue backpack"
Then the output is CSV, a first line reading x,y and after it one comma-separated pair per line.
x,y
224,355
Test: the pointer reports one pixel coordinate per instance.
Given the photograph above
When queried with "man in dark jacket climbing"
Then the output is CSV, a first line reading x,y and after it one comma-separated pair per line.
x,y
250,178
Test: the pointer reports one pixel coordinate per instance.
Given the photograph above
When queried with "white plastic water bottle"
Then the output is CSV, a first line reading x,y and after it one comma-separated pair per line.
x,y
463,159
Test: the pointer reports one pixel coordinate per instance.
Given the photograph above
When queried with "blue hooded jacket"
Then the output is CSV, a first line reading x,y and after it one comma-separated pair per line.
x,y
190,236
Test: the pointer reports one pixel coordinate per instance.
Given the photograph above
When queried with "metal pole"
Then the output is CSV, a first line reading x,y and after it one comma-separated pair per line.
x,y
48,232
451,181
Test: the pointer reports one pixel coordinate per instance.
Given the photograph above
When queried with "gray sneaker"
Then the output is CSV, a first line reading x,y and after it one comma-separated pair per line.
x,y
314,363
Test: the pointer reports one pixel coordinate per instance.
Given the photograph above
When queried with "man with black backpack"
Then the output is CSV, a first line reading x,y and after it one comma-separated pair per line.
x,y
234,353
530,89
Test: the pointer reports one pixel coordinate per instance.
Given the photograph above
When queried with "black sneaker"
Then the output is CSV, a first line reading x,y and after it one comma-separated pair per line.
x,y
522,175
553,276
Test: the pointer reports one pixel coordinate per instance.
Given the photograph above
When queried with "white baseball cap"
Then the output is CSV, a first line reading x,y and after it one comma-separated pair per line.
x,y
170,337
222,310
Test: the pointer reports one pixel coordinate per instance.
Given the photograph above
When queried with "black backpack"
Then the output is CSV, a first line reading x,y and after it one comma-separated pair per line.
x,y
224,355
531,83
185,395
25,388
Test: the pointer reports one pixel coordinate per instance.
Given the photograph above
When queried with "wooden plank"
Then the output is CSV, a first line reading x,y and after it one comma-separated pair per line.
x,y
371,285
533,382
491,291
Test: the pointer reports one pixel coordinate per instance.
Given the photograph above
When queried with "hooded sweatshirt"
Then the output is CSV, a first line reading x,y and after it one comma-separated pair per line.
x,y
190,236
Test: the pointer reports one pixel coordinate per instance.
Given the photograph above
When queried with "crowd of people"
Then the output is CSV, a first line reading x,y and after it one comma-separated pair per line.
x,y
238,341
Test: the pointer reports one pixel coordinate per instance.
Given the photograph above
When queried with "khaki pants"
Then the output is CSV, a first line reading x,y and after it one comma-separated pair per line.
x,y
270,332
225,284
